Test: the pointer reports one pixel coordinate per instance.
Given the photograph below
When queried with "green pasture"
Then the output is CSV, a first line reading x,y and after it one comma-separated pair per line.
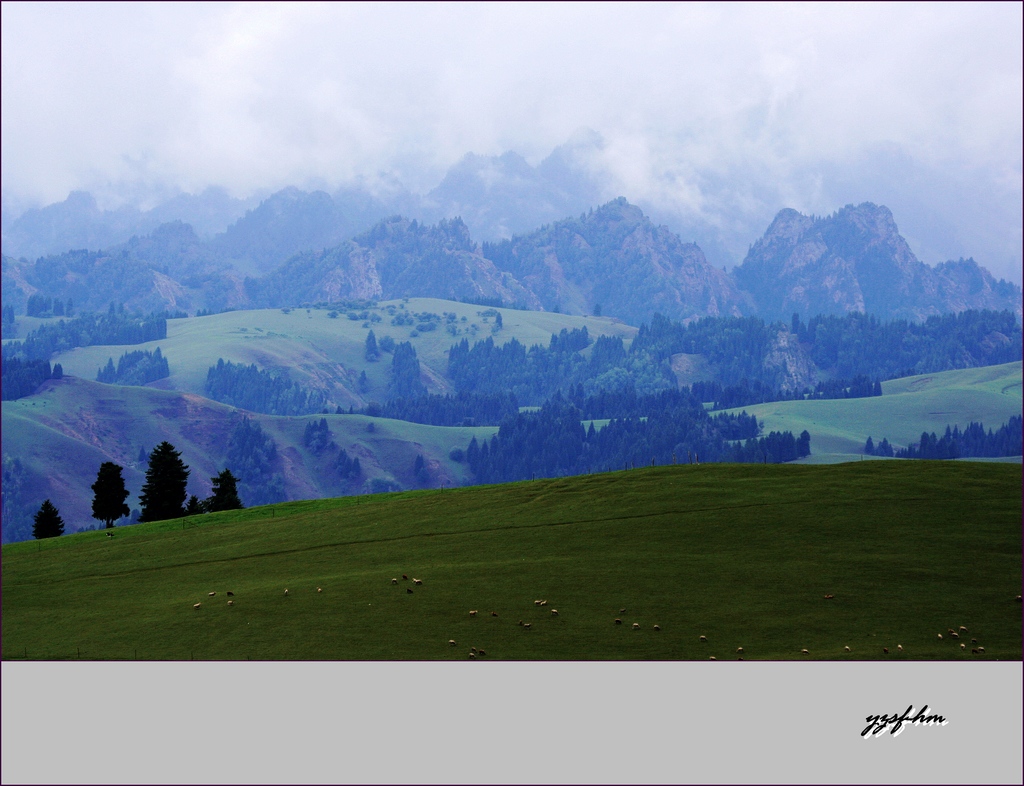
x,y
929,402
328,353
741,554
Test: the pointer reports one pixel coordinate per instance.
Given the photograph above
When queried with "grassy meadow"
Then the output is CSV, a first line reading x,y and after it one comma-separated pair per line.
x,y
741,554
928,402
312,345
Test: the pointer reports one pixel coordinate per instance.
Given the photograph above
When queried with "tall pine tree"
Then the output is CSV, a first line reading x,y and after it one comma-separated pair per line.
x,y
163,495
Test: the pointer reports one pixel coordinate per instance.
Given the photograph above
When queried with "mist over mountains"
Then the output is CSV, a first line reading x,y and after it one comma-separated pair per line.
x,y
299,247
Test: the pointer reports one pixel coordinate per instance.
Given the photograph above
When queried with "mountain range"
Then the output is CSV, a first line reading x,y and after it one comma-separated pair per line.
x,y
304,247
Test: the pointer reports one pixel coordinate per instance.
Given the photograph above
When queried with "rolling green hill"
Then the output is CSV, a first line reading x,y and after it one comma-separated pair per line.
x,y
929,402
328,353
64,432
744,555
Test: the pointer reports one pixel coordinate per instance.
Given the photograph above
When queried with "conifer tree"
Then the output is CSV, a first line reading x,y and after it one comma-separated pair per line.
x,y
109,494
48,523
163,495
225,493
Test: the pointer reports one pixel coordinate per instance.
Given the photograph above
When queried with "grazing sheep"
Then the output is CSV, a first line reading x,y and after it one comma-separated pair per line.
x,y
622,611
884,649
940,635
472,655
494,614
963,629
949,630
472,649
847,649
618,621
409,590
704,638
394,581
981,649
712,658
554,612
319,590
543,603
636,626
417,582
231,603
805,652
230,594
739,649
481,652
211,594
537,603
974,641
197,605
110,534
955,635
526,625
451,642
899,647
657,627
472,613
830,597
963,646
520,622
1018,598
404,577
286,592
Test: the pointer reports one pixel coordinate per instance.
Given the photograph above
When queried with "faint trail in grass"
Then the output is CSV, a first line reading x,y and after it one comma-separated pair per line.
x,y
417,535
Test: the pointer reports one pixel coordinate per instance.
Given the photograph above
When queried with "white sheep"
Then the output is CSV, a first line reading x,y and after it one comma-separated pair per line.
x,y
526,625
739,649
636,626
963,629
197,605
472,655
940,636
286,592
494,614
804,652
704,638
618,621
481,652
712,658
231,603
451,642
319,590
554,612
211,594
472,612
899,647
847,649
394,581
963,646
417,582
657,627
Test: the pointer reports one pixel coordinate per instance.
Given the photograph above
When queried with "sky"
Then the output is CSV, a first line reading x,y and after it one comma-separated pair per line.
x,y
726,112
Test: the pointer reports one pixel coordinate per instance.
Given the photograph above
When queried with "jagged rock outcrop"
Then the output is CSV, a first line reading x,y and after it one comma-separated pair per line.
x,y
397,258
856,260
616,259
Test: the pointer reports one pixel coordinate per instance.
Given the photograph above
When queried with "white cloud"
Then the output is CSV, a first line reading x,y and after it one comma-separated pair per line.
x,y
692,100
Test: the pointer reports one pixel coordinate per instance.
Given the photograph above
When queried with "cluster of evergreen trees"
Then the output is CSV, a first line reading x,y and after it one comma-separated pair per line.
x,y
135,368
552,442
462,409
40,306
253,454
405,373
272,393
114,327
973,441
849,346
20,378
